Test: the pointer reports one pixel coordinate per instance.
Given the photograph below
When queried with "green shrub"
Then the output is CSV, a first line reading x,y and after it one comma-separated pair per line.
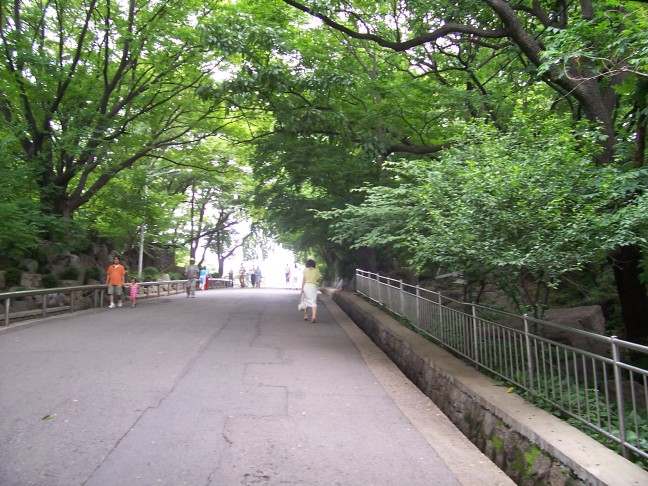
x,y
150,274
176,276
70,273
12,276
83,244
50,281
93,273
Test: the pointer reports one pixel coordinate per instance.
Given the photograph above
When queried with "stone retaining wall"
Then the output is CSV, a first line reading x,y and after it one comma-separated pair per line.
x,y
530,445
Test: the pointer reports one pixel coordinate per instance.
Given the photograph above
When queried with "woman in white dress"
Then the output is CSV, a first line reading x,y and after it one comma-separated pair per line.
x,y
309,289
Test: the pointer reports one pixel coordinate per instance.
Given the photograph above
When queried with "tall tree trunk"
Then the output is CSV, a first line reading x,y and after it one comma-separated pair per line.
x,y
626,260
366,258
632,292
221,266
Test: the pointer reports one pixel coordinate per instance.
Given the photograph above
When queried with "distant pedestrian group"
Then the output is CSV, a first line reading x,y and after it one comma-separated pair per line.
x,y
251,278
116,281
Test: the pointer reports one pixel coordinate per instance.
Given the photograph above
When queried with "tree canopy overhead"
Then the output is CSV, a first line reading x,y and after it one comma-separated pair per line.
x,y
504,139
91,88
580,60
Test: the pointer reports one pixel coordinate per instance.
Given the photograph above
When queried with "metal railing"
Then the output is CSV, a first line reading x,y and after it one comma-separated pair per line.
x,y
44,302
585,376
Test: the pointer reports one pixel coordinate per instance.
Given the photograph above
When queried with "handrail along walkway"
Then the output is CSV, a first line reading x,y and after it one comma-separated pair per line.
x,y
593,383
77,297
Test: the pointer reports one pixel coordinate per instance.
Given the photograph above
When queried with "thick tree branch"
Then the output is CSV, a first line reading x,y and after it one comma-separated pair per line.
x,y
417,149
445,30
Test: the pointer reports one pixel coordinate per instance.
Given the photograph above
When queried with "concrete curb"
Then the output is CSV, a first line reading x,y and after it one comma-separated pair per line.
x,y
529,444
467,463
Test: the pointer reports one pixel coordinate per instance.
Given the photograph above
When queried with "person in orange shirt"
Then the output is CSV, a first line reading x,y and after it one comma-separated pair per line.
x,y
115,280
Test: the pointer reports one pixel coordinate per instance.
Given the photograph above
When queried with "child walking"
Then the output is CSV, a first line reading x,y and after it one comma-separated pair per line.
x,y
133,291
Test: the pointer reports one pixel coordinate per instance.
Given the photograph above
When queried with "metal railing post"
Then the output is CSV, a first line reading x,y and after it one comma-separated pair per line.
x,y
618,384
439,327
474,335
6,310
527,341
418,307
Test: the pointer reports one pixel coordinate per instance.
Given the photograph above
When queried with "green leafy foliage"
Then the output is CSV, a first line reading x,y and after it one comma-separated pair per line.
x,y
12,276
614,40
21,233
528,204
93,273
86,98
51,281
416,129
176,276
150,274
70,273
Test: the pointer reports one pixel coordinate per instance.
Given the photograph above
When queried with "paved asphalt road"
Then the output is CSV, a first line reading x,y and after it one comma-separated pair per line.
x,y
229,388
